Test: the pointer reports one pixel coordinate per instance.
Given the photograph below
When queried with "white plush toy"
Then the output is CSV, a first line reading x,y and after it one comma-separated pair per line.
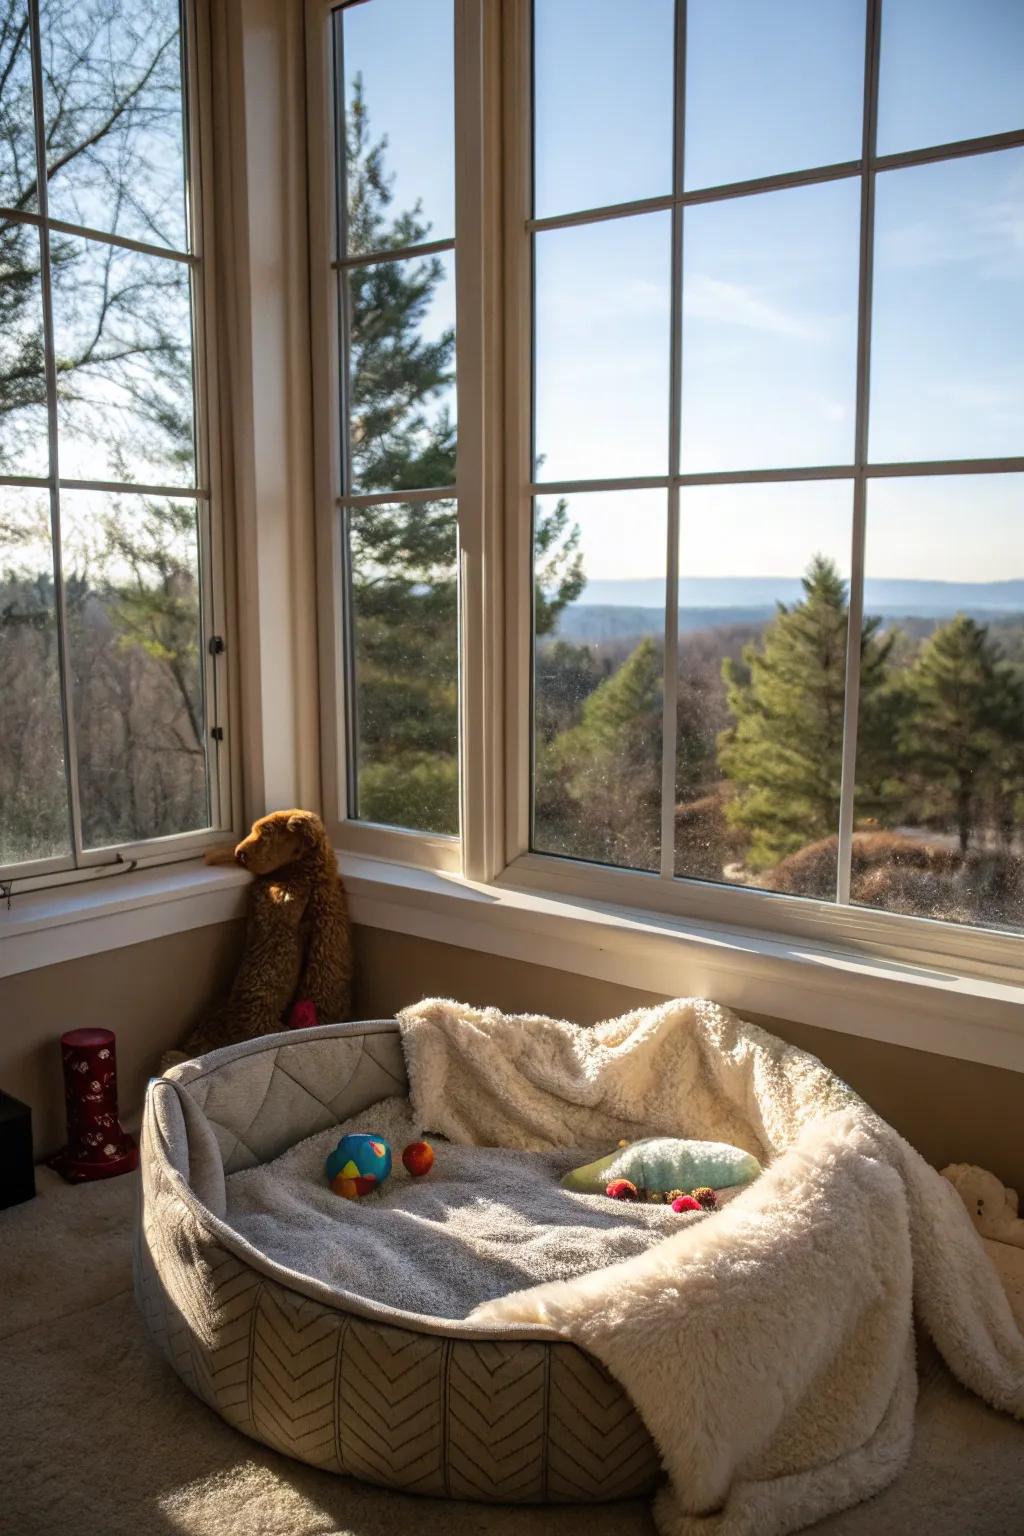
x,y
991,1206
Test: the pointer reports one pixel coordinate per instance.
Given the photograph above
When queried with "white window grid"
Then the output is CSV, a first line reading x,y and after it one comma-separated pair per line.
x,y
194,49
495,228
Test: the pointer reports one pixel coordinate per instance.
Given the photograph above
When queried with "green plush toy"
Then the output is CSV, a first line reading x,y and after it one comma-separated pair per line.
x,y
666,1162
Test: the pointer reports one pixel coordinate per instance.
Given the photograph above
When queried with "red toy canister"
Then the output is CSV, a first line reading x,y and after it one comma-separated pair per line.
x,y
98,1145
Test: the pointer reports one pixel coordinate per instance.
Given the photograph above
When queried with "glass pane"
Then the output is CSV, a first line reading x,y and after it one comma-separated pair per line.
x,y
599,620
602,351
17,133
405,635
762,657
402,374
939,811
602,103
771,88
399,92
33,797
949,70
113,101
770,329
123,340
131,582
947,367
24,440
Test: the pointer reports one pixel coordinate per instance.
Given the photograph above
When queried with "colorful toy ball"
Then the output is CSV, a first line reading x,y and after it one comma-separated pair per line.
x,y
622,1189
418,1158
359,1163
686,1203
705,1198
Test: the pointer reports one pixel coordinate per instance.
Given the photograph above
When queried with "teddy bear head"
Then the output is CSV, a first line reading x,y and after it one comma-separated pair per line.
x,y
988,1201
280,839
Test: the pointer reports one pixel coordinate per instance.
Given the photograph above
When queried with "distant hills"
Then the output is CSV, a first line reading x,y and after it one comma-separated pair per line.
x,y
608,609
884,595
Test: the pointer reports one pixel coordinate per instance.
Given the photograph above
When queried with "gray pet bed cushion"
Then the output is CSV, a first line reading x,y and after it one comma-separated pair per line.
x,y
331,1330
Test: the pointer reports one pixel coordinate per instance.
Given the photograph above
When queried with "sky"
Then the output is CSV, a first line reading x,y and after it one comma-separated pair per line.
x,y
770,281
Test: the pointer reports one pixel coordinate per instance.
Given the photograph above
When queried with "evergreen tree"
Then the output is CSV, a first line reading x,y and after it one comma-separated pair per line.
x,y
963,733
403,555
599,783
784,752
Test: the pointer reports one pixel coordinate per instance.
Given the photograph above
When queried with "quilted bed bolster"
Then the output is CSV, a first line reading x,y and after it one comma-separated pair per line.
x,y
190,1146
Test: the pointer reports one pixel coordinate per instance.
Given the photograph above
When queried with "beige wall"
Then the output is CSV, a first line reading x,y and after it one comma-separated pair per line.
x,y
148,994
952,1111
151,993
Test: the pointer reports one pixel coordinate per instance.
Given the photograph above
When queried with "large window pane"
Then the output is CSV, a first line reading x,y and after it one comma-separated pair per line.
x,y
771,88
602,340
770,329
114,116
599,618
404,600
123,342
763,592
402,374
17,135
947,366
33,800
399,96
950,69
939,828
602,103
131,583
24,444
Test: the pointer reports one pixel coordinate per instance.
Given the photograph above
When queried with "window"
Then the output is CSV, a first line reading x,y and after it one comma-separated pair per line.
x,y
779,399
108,660
761,392
394,469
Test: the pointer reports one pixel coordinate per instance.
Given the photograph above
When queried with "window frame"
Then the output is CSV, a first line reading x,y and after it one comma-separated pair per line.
x,y
495,227
82,863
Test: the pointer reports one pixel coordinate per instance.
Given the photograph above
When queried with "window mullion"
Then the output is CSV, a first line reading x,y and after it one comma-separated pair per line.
x,y
856,601
50,371
670,674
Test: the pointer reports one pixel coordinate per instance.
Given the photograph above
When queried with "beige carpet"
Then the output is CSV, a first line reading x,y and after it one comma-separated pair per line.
x,y
98,1435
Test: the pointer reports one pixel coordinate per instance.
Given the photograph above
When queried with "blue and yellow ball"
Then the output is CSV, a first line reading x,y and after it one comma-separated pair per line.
x,y
359,1163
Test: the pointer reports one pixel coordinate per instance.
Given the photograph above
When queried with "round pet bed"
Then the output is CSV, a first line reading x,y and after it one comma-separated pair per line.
x,y
425,1404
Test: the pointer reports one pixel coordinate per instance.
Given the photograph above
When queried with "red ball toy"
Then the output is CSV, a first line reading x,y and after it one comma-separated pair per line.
x,y
622,1189
418,1158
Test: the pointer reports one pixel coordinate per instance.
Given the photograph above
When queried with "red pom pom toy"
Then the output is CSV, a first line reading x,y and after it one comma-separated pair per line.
x,y
686,1203
622,1189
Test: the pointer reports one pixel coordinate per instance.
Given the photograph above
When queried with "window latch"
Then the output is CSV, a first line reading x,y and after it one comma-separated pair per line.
x,y
216,645
217,732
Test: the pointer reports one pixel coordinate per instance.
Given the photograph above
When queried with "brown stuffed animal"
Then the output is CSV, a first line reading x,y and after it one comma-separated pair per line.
x,y
298,941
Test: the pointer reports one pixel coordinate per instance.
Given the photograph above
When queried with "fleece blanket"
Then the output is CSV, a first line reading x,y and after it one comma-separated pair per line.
x,y
485,1222
769,1346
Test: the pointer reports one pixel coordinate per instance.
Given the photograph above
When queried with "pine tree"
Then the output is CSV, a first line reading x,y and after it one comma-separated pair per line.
x,y
599,783
784,752
965,722
404,554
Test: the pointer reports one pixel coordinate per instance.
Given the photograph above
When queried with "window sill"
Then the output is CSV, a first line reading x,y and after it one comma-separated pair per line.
x,y
805,981
68,921
808,982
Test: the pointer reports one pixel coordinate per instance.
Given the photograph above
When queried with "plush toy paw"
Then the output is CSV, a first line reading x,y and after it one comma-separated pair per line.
x,y
686,1203
622,1189
991,1206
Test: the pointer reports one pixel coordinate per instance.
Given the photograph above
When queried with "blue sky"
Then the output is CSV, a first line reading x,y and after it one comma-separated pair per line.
x,y
770,282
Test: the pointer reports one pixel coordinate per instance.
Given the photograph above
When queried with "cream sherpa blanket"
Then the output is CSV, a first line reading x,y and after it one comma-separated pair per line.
x,y
770,1346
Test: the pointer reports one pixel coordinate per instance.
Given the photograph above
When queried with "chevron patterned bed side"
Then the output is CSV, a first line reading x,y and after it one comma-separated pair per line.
x,y
430,1412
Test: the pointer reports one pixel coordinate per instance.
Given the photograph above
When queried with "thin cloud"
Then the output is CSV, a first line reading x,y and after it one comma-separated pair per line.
x,y
727,303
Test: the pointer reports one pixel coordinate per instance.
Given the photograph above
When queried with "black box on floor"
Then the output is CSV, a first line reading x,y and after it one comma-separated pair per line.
x,y
17,1170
